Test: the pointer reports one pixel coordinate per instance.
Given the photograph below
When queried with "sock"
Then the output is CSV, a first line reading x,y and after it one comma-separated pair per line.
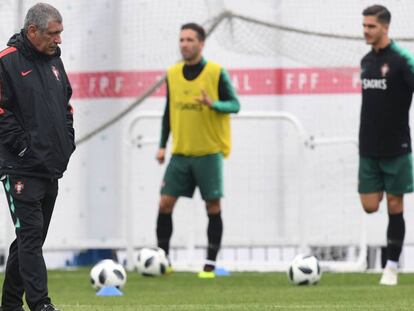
x,y
395,236
392,264
164,231
214,234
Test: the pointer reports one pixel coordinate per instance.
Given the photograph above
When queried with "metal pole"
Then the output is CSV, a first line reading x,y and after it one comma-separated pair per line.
x,y
19,16
139,141
8,232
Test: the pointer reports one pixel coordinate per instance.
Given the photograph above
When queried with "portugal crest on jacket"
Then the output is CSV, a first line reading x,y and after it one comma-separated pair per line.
x,y
19,186
56,73
384,70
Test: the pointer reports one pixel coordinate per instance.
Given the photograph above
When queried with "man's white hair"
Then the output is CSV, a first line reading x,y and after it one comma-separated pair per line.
x,y
40,15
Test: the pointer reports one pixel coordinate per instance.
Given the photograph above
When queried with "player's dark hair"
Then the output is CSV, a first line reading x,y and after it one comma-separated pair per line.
x,y
201,34
381,12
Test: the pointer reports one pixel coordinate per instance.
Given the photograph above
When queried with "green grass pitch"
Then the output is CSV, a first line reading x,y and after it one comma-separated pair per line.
x,y
71,291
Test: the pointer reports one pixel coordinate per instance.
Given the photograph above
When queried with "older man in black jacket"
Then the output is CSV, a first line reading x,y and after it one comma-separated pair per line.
x,y
36,142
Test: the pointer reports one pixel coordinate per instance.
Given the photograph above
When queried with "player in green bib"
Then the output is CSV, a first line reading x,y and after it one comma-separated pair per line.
x,y
200,98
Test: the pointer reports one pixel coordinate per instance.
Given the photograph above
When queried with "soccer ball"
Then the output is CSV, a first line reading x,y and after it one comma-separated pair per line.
x,y
108,273
152,262
304,270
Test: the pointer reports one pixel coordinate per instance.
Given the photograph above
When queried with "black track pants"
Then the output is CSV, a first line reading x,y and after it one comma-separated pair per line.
x,y
31,202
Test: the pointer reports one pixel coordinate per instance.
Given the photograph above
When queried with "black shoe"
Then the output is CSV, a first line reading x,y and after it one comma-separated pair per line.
x,y
48,307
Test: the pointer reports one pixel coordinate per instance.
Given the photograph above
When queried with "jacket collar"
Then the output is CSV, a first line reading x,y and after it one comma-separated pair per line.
x,y
20,41
384,49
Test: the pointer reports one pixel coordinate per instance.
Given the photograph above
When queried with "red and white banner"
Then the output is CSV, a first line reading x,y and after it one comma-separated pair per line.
x,y
278,81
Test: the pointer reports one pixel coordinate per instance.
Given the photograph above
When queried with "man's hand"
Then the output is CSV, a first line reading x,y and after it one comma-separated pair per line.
x,y
204,99
160,155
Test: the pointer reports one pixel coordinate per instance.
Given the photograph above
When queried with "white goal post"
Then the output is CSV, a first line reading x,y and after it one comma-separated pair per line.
x,y
266,253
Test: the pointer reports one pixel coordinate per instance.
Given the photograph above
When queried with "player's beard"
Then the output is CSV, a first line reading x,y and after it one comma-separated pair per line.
x,y
190,56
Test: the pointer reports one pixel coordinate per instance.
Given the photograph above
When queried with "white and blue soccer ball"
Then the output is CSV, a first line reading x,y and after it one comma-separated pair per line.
x,y
304,270
108,273
152,262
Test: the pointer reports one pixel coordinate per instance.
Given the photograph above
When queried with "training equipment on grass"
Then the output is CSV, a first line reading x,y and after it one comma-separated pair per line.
x,y
221,272
152,262
109,291
108,273
304,270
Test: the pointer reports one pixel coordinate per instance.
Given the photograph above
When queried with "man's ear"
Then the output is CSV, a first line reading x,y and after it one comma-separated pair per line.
x,y
32,31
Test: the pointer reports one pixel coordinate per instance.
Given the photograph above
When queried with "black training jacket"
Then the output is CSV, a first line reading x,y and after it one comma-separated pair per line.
x,y
36,121
387,79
